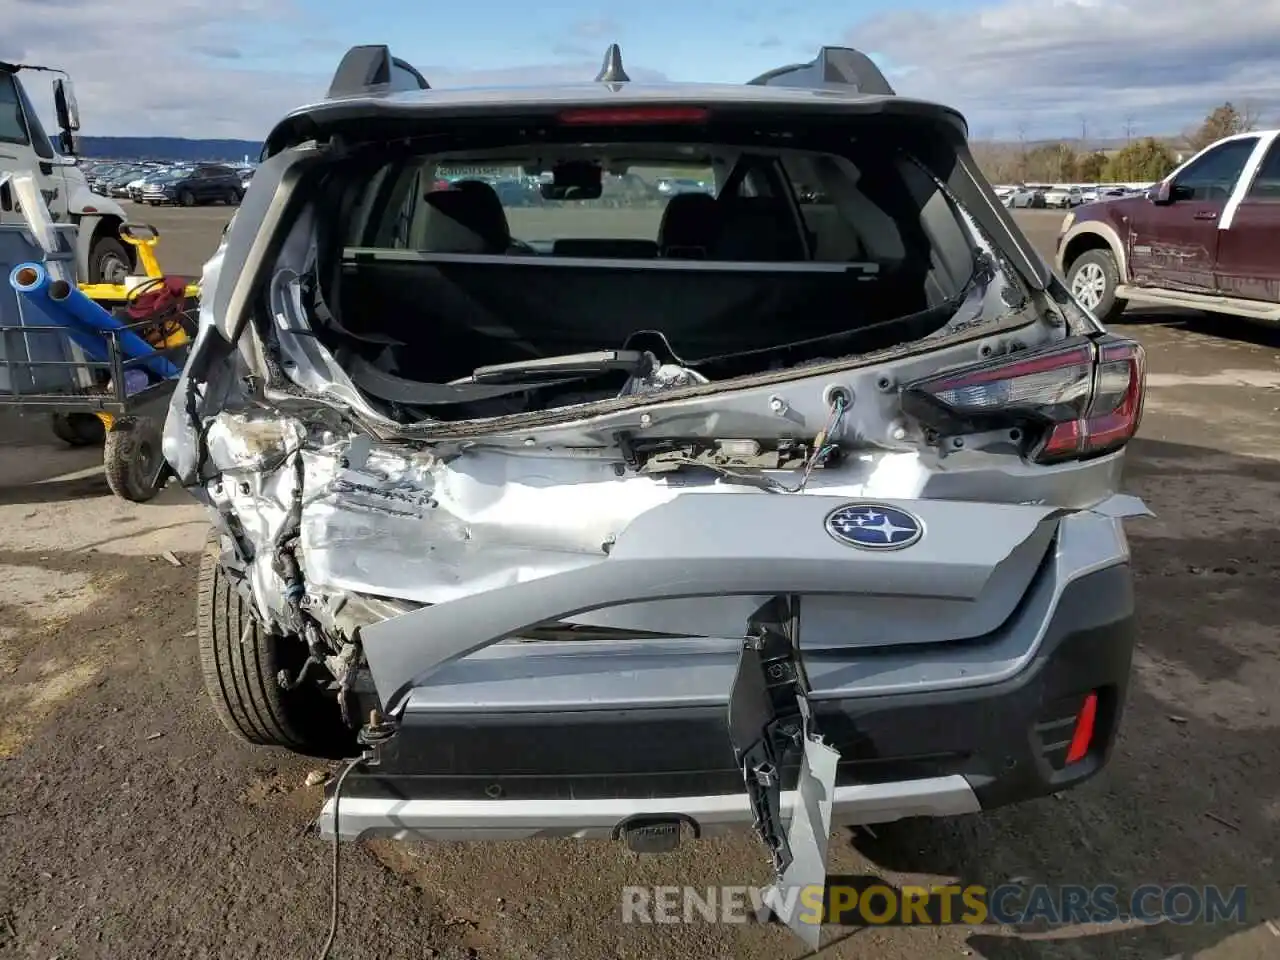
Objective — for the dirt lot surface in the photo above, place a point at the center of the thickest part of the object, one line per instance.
(131, 826)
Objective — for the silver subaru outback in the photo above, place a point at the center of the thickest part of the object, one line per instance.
(623, 513)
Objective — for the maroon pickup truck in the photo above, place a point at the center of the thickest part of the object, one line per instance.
(1206, 237)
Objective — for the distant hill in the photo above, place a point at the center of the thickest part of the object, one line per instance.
(167, 148)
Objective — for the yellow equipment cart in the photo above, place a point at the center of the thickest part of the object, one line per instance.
(161, 309)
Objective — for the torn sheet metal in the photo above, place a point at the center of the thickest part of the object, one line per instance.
(1122, 506)
(807, 837)
(770, 721)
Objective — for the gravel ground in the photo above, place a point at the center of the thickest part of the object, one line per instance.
(132, 826)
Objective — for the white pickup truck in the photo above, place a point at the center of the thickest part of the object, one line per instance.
(101, 256)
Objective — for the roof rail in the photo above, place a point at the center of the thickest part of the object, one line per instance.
(371, 70)
(833, 67)
(611, 70)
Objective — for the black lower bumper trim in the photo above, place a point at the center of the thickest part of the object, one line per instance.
(1007, 739)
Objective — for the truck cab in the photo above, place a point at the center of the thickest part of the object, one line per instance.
(101, 256)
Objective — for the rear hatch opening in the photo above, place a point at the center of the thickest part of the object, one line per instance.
(466, 288)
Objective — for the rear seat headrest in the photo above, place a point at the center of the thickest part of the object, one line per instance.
(689, 223)
(474, 206)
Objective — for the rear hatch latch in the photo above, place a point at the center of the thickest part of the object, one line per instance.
(770, 725)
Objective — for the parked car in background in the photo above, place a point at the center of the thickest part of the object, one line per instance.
(206, 183)
(670, 186)
(1024, 197)
(137, 188)
(116, 184)
(153, 192)
(1063, 197)
(1206, 237)
(101, 175)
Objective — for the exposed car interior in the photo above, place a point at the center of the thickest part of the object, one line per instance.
(754, 277)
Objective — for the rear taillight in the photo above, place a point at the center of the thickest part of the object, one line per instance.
(1076, 399)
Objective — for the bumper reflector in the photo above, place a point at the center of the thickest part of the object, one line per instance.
(1083, 735)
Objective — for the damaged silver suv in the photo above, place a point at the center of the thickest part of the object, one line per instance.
(591, 509)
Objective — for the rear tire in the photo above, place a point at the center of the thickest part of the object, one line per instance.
(130, 458)
(1093, 278)
(240, 678)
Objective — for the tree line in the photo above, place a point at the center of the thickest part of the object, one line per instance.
(1142, 160)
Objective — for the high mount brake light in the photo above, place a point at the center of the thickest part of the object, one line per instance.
(612, 116)
(1085, 397)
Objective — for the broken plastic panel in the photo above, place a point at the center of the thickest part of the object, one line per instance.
(770, 723)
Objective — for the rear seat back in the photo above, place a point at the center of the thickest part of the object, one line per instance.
(689, 226)
(758, 229)
(467, 218)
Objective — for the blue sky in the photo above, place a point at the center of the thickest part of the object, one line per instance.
(1037, 68)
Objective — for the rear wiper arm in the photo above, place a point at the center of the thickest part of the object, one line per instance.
(574, 365)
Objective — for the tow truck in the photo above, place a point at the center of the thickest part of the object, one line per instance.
(101, 255)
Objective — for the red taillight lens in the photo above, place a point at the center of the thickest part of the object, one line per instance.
(1082, 736)
(612, 116)
(1082, 398)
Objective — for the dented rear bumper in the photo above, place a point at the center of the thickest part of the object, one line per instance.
(476, 760)
(763, 730)
(716, 546)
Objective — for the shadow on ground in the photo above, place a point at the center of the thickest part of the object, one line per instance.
(30, 454)
(1217, 325)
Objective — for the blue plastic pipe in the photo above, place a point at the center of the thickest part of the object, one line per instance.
(80, 312)
(31, 281)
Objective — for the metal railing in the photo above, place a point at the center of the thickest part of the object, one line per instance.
(109, 391)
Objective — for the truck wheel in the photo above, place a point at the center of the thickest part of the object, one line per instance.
(78, 429)
(109, 262)
(1093, 278)
(130, 457)
(240, 663)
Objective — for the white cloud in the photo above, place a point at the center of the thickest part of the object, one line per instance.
(195, 67)
(156, 67)
(186, 67)
(1046, 63)
(599, 29)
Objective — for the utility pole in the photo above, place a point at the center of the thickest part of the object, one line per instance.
(1128, 130)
